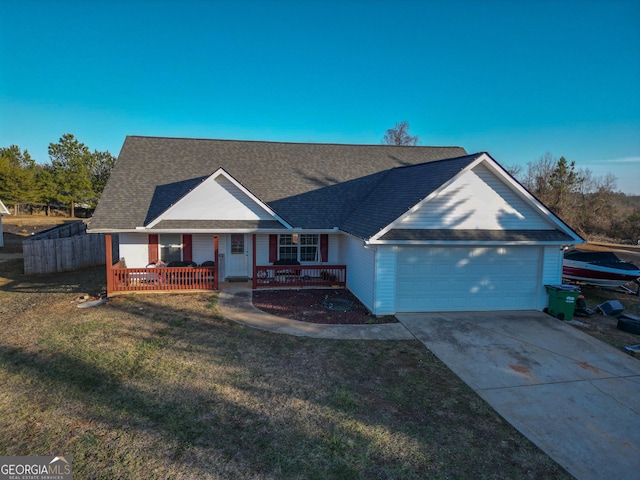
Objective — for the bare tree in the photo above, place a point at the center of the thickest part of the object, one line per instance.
(538, 176)
(597, 210)
(399, 135)
(514, 170)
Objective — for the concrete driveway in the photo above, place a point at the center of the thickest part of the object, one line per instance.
(575, 397)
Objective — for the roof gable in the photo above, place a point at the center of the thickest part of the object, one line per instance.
(218, 197)
(478, 203)
(168, 194)
(476, 200)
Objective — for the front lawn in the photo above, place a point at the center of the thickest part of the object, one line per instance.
(163, 387)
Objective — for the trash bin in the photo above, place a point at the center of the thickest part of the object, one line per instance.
(562, 300)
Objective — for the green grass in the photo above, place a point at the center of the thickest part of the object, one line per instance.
(163, 387)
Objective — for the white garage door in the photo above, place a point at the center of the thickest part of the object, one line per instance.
(431, 279)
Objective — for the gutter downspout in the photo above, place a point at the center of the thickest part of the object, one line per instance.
(368, 246)
(109, 260)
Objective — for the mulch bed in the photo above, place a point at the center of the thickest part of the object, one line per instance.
(305, 305)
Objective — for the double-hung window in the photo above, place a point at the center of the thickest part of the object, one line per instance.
(300, 247)
(170, 247)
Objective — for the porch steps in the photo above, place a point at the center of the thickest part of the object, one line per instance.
(237, 279)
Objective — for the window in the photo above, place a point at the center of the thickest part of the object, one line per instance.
(308, 248)
(300, 247)
(237, 243)
(288, 249)
(170, 247)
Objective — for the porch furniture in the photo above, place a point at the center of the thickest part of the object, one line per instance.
(299, 276)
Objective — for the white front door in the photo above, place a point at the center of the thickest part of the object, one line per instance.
(237, 255)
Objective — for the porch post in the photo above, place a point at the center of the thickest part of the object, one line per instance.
(254, 276)
(215, 258)
(109, 260)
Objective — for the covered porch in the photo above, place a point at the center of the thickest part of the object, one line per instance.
(206, 277)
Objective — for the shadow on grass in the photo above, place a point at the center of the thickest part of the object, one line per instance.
(238, 403)
(226, 415)
(90, 280)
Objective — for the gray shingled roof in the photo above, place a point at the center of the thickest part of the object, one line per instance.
(308, 185)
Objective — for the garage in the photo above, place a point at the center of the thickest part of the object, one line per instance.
(451, 278)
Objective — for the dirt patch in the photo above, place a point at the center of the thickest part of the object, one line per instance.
(602, 326)
(306, 305)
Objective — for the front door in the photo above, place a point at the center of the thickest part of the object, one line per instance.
(237, 256)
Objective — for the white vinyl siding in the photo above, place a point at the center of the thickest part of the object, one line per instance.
(477, 200)
(334, 250)
(216, 199)
(134, 248)
(262, 249)
(360, 264)
(385, 293)
(203, 247)
(467, 278)
(551, 271)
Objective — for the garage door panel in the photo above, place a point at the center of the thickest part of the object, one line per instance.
(462, 278)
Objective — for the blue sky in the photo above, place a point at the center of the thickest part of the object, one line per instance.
(514, 78)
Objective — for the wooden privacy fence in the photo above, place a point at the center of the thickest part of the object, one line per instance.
(70, 248)
(63, 231)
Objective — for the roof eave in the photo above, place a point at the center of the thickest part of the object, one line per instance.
(470, 242)
(214, 230)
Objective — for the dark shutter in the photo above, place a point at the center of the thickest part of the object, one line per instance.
(153, 248)
(187, 248)
(324, 247)
(273, 248)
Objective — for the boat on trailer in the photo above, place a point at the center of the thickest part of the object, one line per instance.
(602, 269)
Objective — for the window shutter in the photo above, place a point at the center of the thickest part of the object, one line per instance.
(153, 248)
(187, 248)
(324, 247)
(273, 248)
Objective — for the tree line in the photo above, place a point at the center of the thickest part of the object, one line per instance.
(588, 203)
(73, 176)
